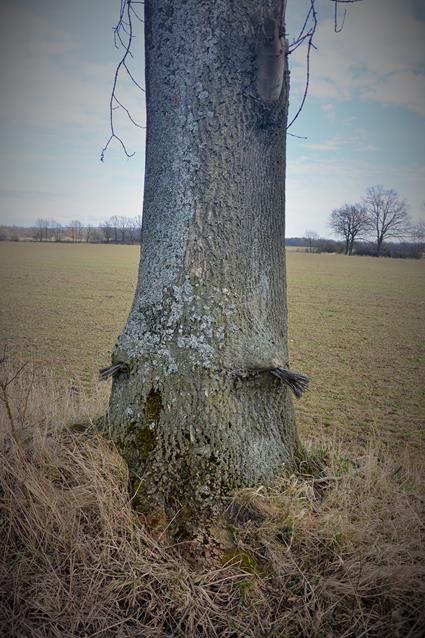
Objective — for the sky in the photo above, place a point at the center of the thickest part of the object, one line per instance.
(364, 118)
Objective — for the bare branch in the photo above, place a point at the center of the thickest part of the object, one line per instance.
(132, 77)
(300, 137)
(123, 36)
(132, 9)
(387, 214)
(312, 12)
(336, 28)
(130, 117)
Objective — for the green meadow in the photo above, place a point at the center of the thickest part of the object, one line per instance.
(356, 327)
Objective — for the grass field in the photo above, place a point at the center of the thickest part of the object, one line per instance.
(356, 328)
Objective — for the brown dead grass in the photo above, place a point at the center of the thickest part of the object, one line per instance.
(334, 551)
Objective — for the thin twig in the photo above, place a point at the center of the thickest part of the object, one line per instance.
(336, 28)
(130, 117)
(124, 25)
(309, 36)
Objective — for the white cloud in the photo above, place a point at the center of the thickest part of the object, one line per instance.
(403, 88)
(331, 145)
(378, 56)
(47, 84)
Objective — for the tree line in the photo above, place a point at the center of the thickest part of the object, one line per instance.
(368, 227)
(115, 230)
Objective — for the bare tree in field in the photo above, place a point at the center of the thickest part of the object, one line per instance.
(121, 226)
(42, 229)
(418, 232)
(138, 225)
(131, 230)
(350, 222)
(89, 233)
(58, 231)
(39, 229)
(201, 394)
(311, 238)
(386, 213)
(107, 230)
(76, 228)
(115, 222)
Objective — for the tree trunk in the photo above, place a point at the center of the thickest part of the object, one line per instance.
(194, 408)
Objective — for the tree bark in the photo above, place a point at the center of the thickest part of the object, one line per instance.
(193, 408)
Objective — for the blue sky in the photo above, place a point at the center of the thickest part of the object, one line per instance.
(364, 118)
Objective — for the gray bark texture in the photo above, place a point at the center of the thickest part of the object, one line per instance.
(193, 408)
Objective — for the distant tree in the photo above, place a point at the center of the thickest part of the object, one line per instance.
(76, 228)
(107, 230)
(89, 234)
(14, 233)
(4, 233)
(58, 231)
(138, 223)
(42, 226)
(310, 237)
(134, 225)
(350, 222)
(115, 222)
(123, 224)
(46, 228)
(54, 230)
(39, 225)
(418, 232)
(386, 214)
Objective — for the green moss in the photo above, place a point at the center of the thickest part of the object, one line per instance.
(142, 436)
(152, 408)
(144, 440)
(245, 560)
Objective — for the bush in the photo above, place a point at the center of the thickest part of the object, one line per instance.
(329, 246)
(401, 250)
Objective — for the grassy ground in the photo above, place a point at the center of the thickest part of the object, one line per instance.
(356, 328)
(64, 305)
(335, 551)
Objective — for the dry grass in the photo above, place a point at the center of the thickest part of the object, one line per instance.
(311, 556)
